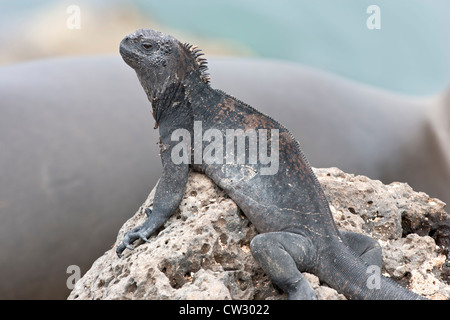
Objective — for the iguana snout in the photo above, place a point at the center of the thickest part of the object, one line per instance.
(158, 59)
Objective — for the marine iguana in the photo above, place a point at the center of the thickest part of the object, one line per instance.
(288, 207)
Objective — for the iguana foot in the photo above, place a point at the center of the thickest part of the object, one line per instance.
(141, 232)
(301, 290)
(281, 255)
(130, 237)
(367, 248)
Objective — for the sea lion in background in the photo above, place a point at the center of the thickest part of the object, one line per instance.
(73, 158)
(79, 150)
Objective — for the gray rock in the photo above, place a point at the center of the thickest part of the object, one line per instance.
(384, 211)
(402, 220)
(202, 251)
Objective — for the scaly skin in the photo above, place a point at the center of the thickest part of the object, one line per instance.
(287, 205)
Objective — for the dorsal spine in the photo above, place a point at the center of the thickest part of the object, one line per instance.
(202, 63)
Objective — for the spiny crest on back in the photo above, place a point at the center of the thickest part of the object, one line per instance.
(202, 63)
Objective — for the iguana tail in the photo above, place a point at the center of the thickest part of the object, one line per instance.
(342, 270)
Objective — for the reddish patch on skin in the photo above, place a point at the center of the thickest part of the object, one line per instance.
(226, 109)
(255, 121)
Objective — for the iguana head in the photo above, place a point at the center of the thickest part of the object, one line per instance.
(161, 60)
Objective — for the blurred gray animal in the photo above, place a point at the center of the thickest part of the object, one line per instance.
(77, 152)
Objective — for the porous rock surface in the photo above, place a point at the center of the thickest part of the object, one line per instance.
(202, 251)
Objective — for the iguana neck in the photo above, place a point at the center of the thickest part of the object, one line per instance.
(175, 95)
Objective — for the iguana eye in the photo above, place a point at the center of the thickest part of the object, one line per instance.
(147, 45)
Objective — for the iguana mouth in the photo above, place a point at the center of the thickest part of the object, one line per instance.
(126, 52)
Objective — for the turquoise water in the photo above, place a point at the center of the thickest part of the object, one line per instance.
(409, 54)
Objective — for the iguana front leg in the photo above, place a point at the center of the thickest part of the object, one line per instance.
(168, 195)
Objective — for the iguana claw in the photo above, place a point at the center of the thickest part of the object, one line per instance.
(143, 237)
(120, 249)
(129, 238)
